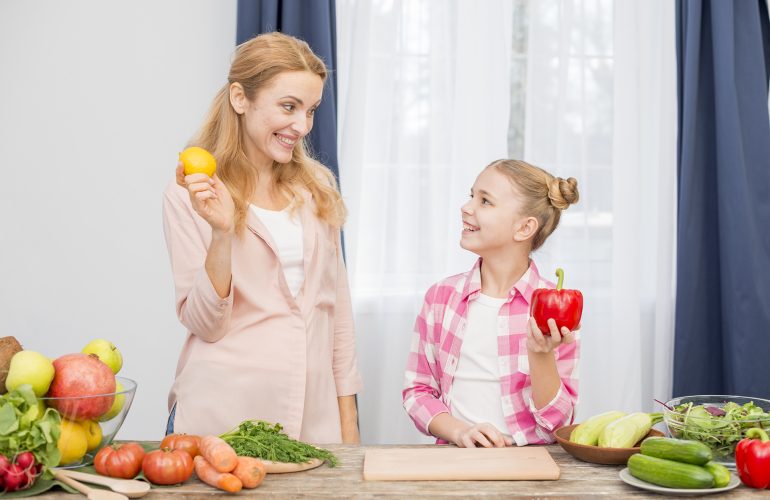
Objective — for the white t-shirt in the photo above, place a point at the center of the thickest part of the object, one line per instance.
(287, 235)
(476, 396)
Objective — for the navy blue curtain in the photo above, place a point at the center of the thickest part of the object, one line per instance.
(315, 22)
(722, 341)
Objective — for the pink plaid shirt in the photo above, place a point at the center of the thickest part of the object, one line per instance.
(435, 350)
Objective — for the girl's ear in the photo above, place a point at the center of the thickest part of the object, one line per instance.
(238, 98)
(525, 229)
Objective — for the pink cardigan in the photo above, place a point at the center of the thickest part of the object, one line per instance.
(260, 353)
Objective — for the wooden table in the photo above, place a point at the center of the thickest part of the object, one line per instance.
(578, 479)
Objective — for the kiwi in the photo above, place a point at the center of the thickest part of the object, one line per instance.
(8, 347)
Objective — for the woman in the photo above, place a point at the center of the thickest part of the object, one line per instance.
(256, 258)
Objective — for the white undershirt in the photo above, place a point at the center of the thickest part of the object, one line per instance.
(287, 235)
(476, 394)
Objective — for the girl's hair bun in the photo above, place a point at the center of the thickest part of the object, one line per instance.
(563, 192)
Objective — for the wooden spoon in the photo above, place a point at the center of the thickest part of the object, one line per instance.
(91, 493)
(132, 488)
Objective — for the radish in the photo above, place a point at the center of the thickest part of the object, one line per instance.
(15, 478)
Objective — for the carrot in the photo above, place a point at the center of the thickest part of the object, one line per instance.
(218, 453)
(222, 480)
(250, 471)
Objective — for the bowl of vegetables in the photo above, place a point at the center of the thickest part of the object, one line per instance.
(717, 420)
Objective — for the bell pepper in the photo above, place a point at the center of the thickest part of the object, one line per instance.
(752, 459)
(564, 306)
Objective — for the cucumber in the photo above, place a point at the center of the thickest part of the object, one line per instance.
(680, 450)
(669, 473)
(720, 472)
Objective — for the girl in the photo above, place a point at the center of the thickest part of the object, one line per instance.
(255, 254)
(480, 371)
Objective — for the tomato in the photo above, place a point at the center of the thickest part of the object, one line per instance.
(166, 466)
(185, 442)
(119, 460)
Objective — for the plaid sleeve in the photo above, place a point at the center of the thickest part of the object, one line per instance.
(421, 394)
(560, 410)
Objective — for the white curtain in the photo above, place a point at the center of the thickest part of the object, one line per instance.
(601, 106)
(423, 108)
(424, 104)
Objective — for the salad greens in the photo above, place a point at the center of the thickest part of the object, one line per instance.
(27, 425)
(260, 439)
(719, 427)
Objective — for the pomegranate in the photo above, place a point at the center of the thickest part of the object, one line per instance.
(88, 384)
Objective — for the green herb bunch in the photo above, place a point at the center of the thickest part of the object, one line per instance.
(260, 439)
(26, 425)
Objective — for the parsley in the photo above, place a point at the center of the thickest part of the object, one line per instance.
(260, 439)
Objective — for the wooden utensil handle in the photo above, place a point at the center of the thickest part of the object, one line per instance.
(71, 482)
(90, 478)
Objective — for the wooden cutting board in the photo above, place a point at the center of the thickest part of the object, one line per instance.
(449, 463)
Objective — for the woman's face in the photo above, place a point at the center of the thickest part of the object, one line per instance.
(280, 115)
(492, 219)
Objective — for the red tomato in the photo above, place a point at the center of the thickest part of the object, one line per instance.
(167, 467)
(119, 460)
(185, 442)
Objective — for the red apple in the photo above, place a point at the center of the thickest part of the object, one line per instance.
(85, 377)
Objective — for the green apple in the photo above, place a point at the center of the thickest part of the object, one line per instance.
(107, 352)
(117, 405)
(30, 367)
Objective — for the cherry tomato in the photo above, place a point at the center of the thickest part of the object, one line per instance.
(167, 467)
(185, 442)
(119, 460)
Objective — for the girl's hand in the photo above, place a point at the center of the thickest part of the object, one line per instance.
(485, 435)
(539, 343)
(210, 199)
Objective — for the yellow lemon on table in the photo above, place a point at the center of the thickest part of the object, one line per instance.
(93, 434)
(73, 442)
(198, 161)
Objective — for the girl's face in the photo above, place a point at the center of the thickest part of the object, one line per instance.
(492, 219)
(279, 117)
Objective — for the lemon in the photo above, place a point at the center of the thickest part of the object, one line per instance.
(198, 161)
(73, 442)
(93, 434)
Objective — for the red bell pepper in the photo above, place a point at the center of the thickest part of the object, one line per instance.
(564, 306)
(752, 459)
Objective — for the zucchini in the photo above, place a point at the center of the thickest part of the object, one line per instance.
(669, 473)
(588, 432)
(720, 472)
(679, 450)
(627, 431)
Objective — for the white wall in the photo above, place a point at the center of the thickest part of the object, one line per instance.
(96, 99)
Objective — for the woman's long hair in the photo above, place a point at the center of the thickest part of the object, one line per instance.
(255, 64)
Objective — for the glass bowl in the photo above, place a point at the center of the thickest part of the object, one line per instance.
(720, 421)
(99, 416)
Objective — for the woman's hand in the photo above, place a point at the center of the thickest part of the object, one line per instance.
(210, 199)
(539, 343)
(485, 435)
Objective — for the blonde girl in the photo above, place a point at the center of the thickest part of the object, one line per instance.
(480, 372)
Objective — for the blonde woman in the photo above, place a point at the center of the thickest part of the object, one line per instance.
(255, 253)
